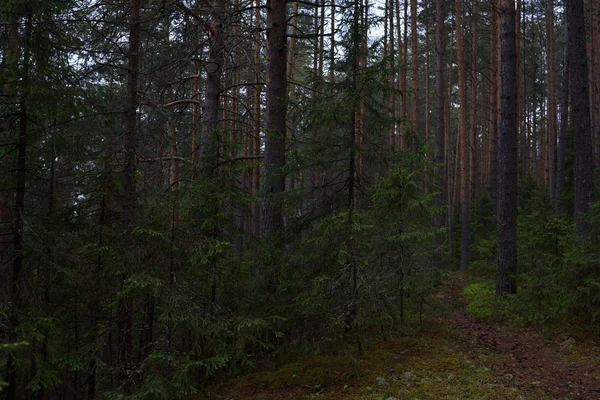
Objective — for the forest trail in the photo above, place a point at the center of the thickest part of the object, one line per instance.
(560, 367)
(453, 356)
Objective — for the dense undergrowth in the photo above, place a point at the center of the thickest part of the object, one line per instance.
(558, 290)
(336, 300)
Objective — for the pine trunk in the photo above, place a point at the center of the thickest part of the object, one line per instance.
(439, 172)
(125, 347)
(274, 161)
(507, 156)
(462, 137)
(582, 135)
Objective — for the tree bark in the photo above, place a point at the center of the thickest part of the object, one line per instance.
(427, 108)
(274, 160)
(209, 146)
(507, 156)
(473, 111)
(493, 122)
(582, 135)
(18, 234)
(439, 172)
(257, 120)
(551, 112)
(562, 133)
(129, 189)
(462, 138)
(415, 66)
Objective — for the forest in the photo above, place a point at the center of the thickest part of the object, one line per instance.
(297, 199)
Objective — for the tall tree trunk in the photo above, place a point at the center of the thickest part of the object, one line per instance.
(494, 91)
(195, 115)
(257, 119)
(357, 62)
(290, 74)
(274, 160)
(462, 138)
(595, 90)
(129, 189)
(562, 133)
(18, 235)
(582, 135)
(403, 71)
(473, 111)
(415, 66)
(427, 105)
(392, 74)
(439, 172)
(10, 62)
(507, 156)
(209, 146)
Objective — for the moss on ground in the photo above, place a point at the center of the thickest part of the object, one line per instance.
(429, 365)
(442, 358)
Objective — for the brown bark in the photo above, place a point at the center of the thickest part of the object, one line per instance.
(439, 132)
(290, 73)
(415, 65)
(403, 71)
(209, 146)
(392, 74)
(463, 138)
(595, 81)
(485, 143)
(562, 135)
(274, 160)
(257, 120)
(518, 44)
(400, 140)
(494, 92)
(359, 139)
(195, 116)
(507, 156)
(582, 135)
(427, 105)
(17, 288)
(473, 110)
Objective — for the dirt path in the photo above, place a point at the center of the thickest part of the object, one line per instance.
(561, 367)
(452, 356)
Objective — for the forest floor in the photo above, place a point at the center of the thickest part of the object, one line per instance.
(452, 356)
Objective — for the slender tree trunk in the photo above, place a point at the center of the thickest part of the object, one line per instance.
(209, 146)
(392, 74)
(129, 189)
(415, 65)
(507, 156)
(257, 120)
(357, 61)
(403, 71)
(274, 160)
(564, 121)
(359, 137)
(427, 105)
(195, 116)
(519, 80)
(439, 132)
(290, 75)
(18, 282)
(494, 92)
(10, 62)
(596, 78)
(582, 135)
(462, 137)
(473, 110)
(400, 57)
